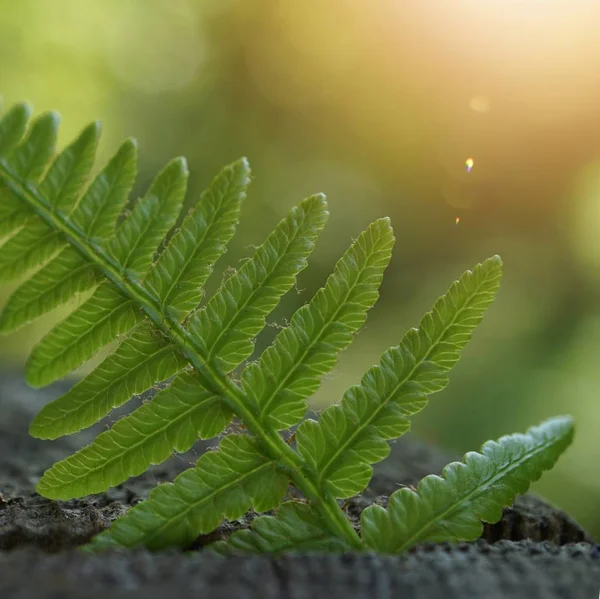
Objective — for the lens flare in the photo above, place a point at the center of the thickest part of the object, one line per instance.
(457, 220)
(469, 162)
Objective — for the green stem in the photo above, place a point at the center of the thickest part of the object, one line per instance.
(213, 380)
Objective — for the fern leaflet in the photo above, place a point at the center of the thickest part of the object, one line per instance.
(451, 507)
(224, 483)
(296, 527)
(291, 369)
(351, 436)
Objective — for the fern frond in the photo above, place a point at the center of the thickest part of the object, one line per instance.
(291, 369)
(141, 360)
(296, 526)
(97, 322)
(351, 436)
(236, 313)
(223, 484)
(451, 507)
(174, 420)
(146, 283)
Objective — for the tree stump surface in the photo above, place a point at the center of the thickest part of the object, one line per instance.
(535, 551)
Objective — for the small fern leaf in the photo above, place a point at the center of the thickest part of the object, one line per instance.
(28, 161)
(12, 127)
(55, 283)
(65, 179)
(97, 212)
(188, 260)
(141, 360)
(232, 318)
(291, 369)
(61, 187)
(97, 322)
(351, 436)
(28, 248)
(297, 526)
(451, 507)
(13, 214)
(223, 484)
(170, 421)
(152, 217)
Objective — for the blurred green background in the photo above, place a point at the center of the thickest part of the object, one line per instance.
(378, 104)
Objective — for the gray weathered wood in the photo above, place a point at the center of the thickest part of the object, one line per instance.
(37, 539)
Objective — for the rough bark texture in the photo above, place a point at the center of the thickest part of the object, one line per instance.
(534, 551)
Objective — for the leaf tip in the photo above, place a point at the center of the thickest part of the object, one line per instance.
(50, 119)
(316, 201)
(129, 145)
(24, 108)
(5, 324)
(494, 260)
(564, 423)
(384, 223)
(42, 488)
(40, 429)
(241, 168)
(243, 163)
(33, 376)
(92, 131)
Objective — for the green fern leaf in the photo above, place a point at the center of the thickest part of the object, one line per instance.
(62, 184)
(187, 262)
(100, 320)
(97, 213)
(30, 159)
(237, 312)
(297, 526)
(141, 360)
(55, 283)
(27, 161)
(12, 127)
(223, 484)
(351, 436)
(13, 214)
(61, 187)
(451, 507)
(140, 235)
(173, 420)
(28, 248)
(291, 369)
